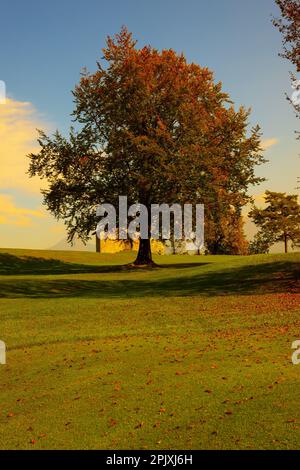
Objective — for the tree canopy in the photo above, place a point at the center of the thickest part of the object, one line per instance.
(289, 25)
(151, 127)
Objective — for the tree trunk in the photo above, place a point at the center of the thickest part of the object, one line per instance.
(285, 243)
(98, 250)
(144, 256)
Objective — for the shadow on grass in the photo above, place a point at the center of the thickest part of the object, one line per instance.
(18, 265)
(239, 280)
(14, 265)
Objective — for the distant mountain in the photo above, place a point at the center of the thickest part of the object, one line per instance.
(63, 245)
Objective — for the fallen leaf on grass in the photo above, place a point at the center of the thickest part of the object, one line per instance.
(138, 425)
(112, 422)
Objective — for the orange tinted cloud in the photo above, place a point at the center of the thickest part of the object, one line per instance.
(12, 215)
(18, 135)
(268, 143)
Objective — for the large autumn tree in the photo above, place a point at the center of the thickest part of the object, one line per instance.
(278, 221)
(151, 127)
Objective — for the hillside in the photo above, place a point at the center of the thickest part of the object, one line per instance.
(194, 354)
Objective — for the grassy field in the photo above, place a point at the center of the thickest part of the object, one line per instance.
(194, 354)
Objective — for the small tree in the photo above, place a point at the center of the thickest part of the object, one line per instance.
(279, 221)
(261, 243)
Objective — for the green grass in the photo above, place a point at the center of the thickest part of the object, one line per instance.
(194, 354)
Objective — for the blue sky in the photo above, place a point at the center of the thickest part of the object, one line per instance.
(44, 45)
